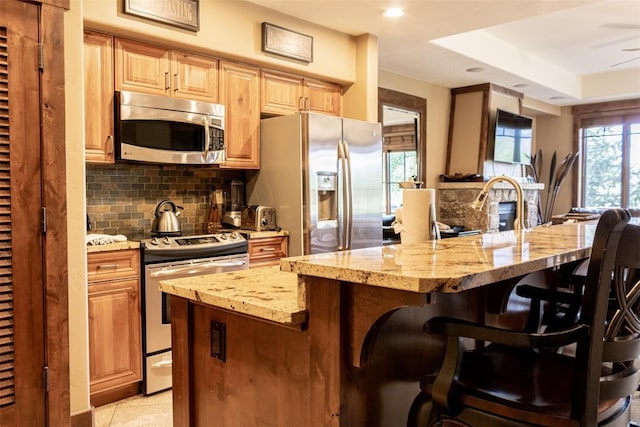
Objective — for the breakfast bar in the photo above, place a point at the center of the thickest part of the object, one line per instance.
(336, 339)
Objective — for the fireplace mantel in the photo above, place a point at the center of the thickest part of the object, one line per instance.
(455, 198)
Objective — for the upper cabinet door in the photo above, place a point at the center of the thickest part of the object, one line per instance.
(98, 98)
(239, 93)
(323, 97)
(141, 67)
(283, 94)
(280, 93)
(194, 77)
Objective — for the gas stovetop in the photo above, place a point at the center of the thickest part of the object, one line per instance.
(201, 246)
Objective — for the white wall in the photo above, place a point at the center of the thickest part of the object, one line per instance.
(438, 101)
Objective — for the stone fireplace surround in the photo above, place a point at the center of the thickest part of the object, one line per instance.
(455, 198)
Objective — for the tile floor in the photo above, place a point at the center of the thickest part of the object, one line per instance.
(137, 411)
(156, 411)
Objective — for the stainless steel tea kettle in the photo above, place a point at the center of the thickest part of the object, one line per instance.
(166, 222)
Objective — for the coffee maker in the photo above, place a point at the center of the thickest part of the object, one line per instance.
(234, 200)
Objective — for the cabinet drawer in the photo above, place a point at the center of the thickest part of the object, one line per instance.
(267, 251)
(113, 265)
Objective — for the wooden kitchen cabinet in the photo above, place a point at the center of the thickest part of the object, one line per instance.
(115, 346)
(283, 94)
(266, 251)
(157, 70)
(98, 97)
(323, 97)
(240, 94)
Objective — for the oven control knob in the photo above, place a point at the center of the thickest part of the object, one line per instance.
(166, 240)
(154, 241)
(234, 235)
(223, 236)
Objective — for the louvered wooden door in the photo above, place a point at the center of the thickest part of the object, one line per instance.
(22, 356)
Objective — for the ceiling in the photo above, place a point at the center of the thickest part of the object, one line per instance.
(561, 52)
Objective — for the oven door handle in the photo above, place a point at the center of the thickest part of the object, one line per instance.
(195, 268)
(163, 364)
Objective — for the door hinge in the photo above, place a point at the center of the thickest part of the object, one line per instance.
(45, 378)
(40, 56)
(44, 219)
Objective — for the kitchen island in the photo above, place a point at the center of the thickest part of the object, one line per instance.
(336, 339)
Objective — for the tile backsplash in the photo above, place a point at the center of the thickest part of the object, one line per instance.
(122, 198)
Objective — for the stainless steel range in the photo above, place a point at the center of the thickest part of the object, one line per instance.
(173, 258)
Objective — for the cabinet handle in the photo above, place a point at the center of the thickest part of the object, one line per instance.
(301, 104)
(175, 82)
(268, 249)
(110, 144)
(167, 83)
(109, 266)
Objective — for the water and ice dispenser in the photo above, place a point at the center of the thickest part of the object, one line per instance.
(327, 195)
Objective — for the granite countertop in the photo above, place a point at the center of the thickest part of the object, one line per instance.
(266, 293)
(448, 265)
(135, 244)
(251, 234)
(116, 246)
(452, 265)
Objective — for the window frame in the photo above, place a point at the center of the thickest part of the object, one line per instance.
(404, 101)
(606, 113)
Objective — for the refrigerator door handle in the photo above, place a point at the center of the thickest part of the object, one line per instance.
(349, 197)
(342, 209)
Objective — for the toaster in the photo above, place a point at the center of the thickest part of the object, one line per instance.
(258, 218)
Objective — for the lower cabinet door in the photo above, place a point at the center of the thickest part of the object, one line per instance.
(115, 350)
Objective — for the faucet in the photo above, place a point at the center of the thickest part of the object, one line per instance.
(518, 223)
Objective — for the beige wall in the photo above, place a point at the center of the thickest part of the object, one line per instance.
(555, 133)
(77, 258)
(232, 29)
(360, 101)
(438, 101)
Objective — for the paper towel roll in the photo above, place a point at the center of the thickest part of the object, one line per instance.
(416, 219)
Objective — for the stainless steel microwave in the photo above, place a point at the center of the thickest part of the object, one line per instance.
(159, 129)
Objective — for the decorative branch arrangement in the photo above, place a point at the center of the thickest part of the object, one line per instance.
(555, 180)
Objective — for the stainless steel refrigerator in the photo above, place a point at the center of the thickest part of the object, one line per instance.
(323, 176)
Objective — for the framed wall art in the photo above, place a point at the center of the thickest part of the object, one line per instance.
(287, 43)
(179, 13)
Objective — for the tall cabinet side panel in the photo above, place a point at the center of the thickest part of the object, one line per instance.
(279, 182)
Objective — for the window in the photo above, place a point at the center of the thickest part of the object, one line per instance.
(400, 160)
(398, 166)
(403, 119)
(609, 144)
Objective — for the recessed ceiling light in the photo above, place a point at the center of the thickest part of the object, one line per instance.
(475, 69)
(393, 12)
(556, 98)
(519, 85)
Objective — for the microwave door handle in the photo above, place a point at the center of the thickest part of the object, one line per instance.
(205, 153)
